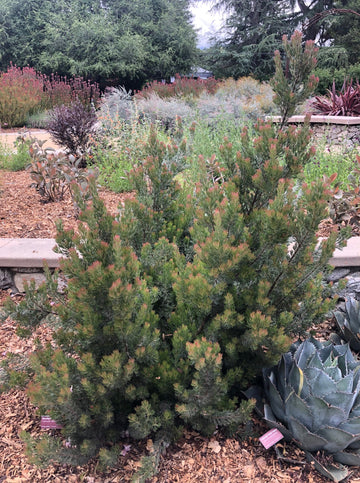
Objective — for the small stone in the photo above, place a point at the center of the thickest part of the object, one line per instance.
(6, 280)
(337, 274)
(20, 278)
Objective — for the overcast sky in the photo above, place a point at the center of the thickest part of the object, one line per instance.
(207, 23)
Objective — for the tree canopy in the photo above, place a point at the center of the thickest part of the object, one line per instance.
(113, 41)
(254, 30)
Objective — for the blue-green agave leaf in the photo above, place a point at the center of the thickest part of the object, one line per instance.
(340, 319)
(345, 384)
(275, 400)
(305, 438)
(355, 412)
(352, 308)
(348, 458)
(351, 425)
(331, 362)
(354, 366)
(335, 373)
(315, 361)
(336, 339)
(329, 471)
(316, 343)
(342, 400)
(298, 382)
(326, 353)
(297, 408)
(354, 446)
(323, 415)
(304, 352)
(282, 372)
(349, 361)
(336, 439)
(320, 382)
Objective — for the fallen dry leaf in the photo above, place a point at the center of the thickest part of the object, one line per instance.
(214, 446)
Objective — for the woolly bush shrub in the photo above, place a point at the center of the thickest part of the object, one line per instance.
(246, 99)
(116, 104)
(165, 111)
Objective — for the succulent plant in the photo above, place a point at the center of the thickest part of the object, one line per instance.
(348, 322)
(313, 396)
(343, 103)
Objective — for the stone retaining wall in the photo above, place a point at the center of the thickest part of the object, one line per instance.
(14, 278)
(342, 131)
(347, 137)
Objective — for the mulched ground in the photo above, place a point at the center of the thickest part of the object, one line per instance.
(192, 459)
(24, 215)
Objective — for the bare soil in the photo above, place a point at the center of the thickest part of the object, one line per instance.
(192, 459)
(9, 136)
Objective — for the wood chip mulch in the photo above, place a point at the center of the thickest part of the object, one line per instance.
(23, 215)
(192, 459)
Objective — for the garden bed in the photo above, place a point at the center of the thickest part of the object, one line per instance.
(193, 458)
(23, 215)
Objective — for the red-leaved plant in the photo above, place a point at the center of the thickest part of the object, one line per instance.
(343, 103)
(24, 91)
(21, 91)
(63, 91)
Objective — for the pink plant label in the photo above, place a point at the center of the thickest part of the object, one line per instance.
(48, 423)
(270, 438)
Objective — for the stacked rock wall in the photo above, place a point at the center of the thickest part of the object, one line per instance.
(342, 131)
(347, 137)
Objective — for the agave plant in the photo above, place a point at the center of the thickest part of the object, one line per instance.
(313, 396)
(348, 322)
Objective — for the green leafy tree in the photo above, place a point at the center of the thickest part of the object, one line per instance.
(344, 28)
(253, 30)
(118, 42)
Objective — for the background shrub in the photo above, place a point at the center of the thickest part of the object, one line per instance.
(329, 75)
(154, 108)
(38, 120)
(21, 91)
(25, 92)
(328, 161)
(63, 91)
(181, 87)
(116, 105)
(245, 99)
(73, 127)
